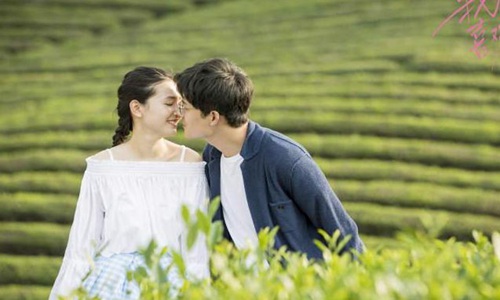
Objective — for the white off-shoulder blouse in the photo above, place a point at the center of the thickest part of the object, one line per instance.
(123, 205)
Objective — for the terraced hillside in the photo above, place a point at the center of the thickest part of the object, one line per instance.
(405, 126)
(31, 24)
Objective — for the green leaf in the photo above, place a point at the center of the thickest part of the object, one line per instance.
(186, 216)
(203, 222)
(213, 206)
(191, 236)
(215, 234)
(340, 246)
(178, 261)
(148, 253)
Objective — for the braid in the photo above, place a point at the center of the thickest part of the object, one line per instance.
(123, 130)
(137, 84)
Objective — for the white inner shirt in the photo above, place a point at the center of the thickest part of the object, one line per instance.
(234, 203)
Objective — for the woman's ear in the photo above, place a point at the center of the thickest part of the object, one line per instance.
(135, 108)
(214, 118)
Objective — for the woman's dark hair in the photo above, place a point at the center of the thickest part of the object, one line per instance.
(137, 84)
(220, 85)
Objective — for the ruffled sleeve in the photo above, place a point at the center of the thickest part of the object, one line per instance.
(85, 235)
(196, 258)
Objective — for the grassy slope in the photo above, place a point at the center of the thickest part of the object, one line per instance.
(404, 125)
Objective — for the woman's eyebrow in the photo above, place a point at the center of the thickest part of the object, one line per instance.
(174, 98)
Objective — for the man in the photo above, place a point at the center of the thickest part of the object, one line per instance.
(264, 178)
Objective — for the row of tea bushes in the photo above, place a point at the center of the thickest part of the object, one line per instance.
(436, 153)
(460, 131)
(420, 195)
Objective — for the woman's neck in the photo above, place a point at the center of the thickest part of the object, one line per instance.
(144, 148)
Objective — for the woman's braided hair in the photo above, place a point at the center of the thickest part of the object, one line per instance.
(137, 84)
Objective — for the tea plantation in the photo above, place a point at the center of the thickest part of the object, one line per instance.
(405, 125)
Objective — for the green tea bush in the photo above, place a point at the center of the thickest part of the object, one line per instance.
(42, 182)
(48, 156)
(44, 160)
(371, 169)
(393, 92)
(409, 107)
(420, 195)
(387, 125)
(88, 142)
(93, 17)
(421, 267)
(36, 207)
(384, 220)
(24, 292)
(33, 238)
(28, 270)
(61, 122)
(486, 81)
(444, 154)
(82, 140)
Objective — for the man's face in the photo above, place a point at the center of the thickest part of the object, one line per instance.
(195, 125)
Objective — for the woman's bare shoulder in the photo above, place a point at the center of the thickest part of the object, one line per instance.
(192, 156)
(102, 155)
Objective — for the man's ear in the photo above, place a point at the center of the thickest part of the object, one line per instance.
(135, 108)
(214, 118)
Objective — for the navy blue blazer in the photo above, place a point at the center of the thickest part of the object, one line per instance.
(285, 188)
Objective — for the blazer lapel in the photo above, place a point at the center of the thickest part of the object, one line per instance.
(255, 197)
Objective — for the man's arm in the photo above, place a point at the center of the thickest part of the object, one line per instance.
(312, 193)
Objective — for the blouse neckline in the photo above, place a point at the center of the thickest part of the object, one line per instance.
(171, 167)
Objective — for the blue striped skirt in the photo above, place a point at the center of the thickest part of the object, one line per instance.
(108, 280)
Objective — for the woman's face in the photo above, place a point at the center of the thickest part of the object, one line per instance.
(160, 114)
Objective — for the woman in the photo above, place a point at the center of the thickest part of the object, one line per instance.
(132, 193)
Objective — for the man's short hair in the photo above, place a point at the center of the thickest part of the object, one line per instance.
(220, 85)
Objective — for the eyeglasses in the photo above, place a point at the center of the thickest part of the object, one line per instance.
(181, 108)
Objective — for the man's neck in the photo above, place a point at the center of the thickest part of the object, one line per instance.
(229, 140)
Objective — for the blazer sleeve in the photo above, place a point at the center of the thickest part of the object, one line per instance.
(313, 194)
(206, 158)
(84, 237)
